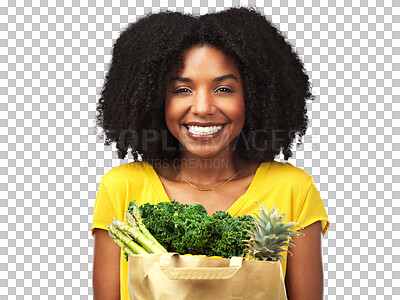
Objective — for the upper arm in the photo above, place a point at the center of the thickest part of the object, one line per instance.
(304, 273)
(106, 270)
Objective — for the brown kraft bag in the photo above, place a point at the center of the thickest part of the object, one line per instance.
(179, 277)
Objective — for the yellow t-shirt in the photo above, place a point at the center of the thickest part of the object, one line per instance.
(291, 189)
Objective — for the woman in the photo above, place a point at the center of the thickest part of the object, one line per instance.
(209, 102)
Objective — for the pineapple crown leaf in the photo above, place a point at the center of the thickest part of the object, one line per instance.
(288, 251)
(280, 256)
(269, 236)
(264, 215)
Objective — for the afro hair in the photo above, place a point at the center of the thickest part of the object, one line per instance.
(276, 86)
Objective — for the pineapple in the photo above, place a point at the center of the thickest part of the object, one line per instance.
(270, 235)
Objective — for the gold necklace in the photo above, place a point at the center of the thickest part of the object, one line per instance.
(206, 189)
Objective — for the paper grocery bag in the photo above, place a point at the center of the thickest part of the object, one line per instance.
(179, 277)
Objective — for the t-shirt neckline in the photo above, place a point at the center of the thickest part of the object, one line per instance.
(234, 209)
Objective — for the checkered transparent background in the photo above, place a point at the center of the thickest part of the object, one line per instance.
(54, 55)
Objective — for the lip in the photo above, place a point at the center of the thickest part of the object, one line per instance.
(205, 137)
(204, 124)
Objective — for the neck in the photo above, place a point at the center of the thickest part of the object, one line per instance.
(208, 171)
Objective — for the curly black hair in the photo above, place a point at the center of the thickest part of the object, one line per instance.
(276, 85)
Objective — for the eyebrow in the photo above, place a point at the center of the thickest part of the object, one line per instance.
(217, 79)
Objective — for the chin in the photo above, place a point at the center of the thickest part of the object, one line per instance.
(204, 153)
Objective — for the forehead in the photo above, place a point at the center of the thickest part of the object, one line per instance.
(204, 60)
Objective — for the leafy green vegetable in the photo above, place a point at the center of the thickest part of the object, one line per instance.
(188, 229)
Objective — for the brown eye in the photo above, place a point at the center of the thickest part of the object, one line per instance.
(225, 90)
(181, 91)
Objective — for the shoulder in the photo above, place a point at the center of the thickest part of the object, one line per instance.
(129, 172)
(281, 184)
(288, 172)
(287, 177)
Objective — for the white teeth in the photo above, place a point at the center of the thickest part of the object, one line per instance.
(204, 130)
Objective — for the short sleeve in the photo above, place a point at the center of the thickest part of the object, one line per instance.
(312, 209)
(103, 211)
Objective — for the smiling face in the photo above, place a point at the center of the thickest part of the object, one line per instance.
(204, 106)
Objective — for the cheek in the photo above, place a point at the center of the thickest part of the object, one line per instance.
(238, 113)
(171, 115)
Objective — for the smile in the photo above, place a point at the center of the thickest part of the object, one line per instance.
(200, 130)
(203, 133)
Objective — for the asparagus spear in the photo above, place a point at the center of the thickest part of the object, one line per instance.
(124, 247)
(126, 240)
(137, 218)
(138, 236)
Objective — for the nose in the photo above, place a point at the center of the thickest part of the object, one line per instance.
(203, 104)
